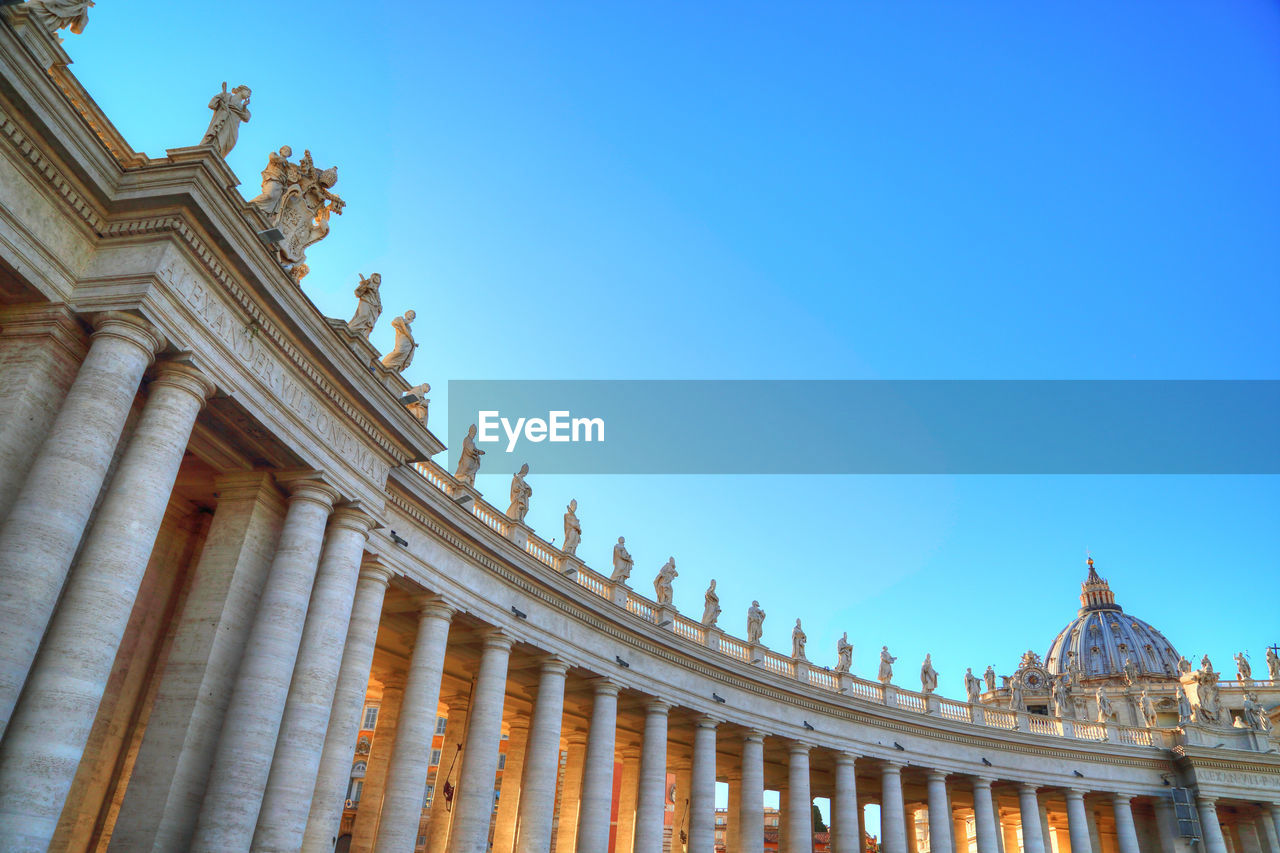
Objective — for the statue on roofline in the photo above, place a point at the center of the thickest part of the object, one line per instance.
(229, 110)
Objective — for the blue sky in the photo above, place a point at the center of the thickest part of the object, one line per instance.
(752, 191)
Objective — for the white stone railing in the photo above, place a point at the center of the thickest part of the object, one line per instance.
(820, 678)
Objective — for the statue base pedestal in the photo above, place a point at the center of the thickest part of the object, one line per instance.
(463, 495)
(618, 594)
(664, 616)
(518, 532)
(358, 344)
(846, 682)
(570, 564)
(801, 668)
(757, 653)
(713, 637)
(891, 696)
(977, 714)
(932, 704)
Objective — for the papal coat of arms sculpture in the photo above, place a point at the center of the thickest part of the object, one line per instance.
(297, 200)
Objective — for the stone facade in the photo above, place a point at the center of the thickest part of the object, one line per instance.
(222, 539)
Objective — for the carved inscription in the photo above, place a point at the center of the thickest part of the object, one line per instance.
(1232, 777)
(256, 355)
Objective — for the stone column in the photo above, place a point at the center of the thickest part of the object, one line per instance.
(1045, 834)
(369, 812)
(473, 805)
(683, 769)
(542, 762)
(58, 706)
(909, 826)
(733, 815)
(45, 524)
(1078, 822)
(1095, 837)
(571, 791)
(1267, 836)
(651, 796)
(348, 702)
(627, 791)
(844, 806)
(1273, 811)
(1210, 828)
(892, 820)
(702, 788)
(504, 835)
(595, 811)
(1029, 808)
(1009, 835)
(411, 757)
(939, 814)
(169, 775)
(438, 821)
(985, 826)
(800, 823)
(1166, 826)
(294, 768)
(751, 809)
(242, 762)
(784, 815)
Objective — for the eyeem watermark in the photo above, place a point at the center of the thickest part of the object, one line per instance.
(557, 427)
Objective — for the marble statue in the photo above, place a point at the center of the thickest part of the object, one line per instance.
(755, 622)
(928, 675)
(990, 678)
(844, 653)
(401, 355)
(520, 494)
(1184, 706)
(1130, 671)
(711, 606)
(229, 110)
(798, 639)
(1257, 714)
(469, 460)
(61, 14)
(1243, 671)
(662, 584)
(1273, 664)
(1105, 709)
(572, 528)
(1184, 665)
(1205, 709)
(369, 308)
(1148, 709)
(886, 665)
(972, 686)
(1015, 693)
(296, 199)
(1205, 664)
(1062, 704)
(1074, 670)
(621, 562)
(418, 408)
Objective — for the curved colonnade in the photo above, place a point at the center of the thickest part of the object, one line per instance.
(219, 529)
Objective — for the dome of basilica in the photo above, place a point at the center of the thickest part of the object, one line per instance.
(1102, 638)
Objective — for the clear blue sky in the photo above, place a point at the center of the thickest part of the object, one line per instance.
(745, 191)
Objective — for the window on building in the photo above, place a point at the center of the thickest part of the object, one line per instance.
(441, 722)
(502, 761)
(435, 756)
(354, 790)
(422, 839)
(370, 717)
(357, 770)
(426, 795)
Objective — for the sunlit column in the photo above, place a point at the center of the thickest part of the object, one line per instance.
(542, 763)
(411, 757)
(751, 804)
(596, 803)
(46, 521)
(800, 819)
(892, 820)
(571, 791)
(504, 833)
(1273, 811)
(702, 787)
(455, 733)
(1029, 810)
(627, 791)
(48, 733)
(844, 806)
(985, 826)
(473, 805)
(939, 813)
(1210, 827)
(1078, 822)
(651, 797)
(242, 762)
(369, 811)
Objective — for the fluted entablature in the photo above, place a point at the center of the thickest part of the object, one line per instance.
(1103, 637)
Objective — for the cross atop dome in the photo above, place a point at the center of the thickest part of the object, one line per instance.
(1095, 593)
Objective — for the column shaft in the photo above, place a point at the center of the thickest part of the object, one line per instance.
(800, 823)
(440, 819)
(473, 805)
(411, 756)
(939, 814)
(985, 826)
(504, 834)
(892, 819)
(733, 815)
(1210, 827)
(286, 802)
(844, 806)
(651, 797)
(1029, 810)
(702, 788)
(369, 810)
(627, 790)
(344, 717)
(1273, 812)
(242, 762)
(596, 809)
(1262, 826)
(50, 728)
(1078, 823)
(542, 762)
(571, 792)
(46, 522)
(751, 808)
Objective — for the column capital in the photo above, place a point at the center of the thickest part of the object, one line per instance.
(630, 752)
(171, 373)
(843, 758)
(551, 664)
(753, 736)
(888, 766)
(575, 738)
(307, 485)
(705, 721)
(1028, 787)
(657, 706)
(128, 327)
(937, 776)
(1119, 797)
(353, 516)
(518, 724)
(796, 747)
(1206, 800)
(394, 681)
(373, 569)
(983, 782)
(1076, 793)
(602, 686)
(494, 638)
(434, 607)
(457, 702)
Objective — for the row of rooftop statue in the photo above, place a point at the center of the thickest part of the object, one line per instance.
(297, 199)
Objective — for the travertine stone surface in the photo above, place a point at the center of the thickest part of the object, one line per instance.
(348, 703)
(504, 826)
(50, 728)
(286, 803)
(441, 818)
(845, 826)
(365, 830)
(939, 814)
(892, 814)
(628, 787)
(48, 517)
(407, 776)
(596, 800)
(473, 805)
(986, 826)
(800, 801)
(542, 761)
(651, 796)
(702, 787)
(1029, 811)
(571, 791)
(163, 797)
(242, 762)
